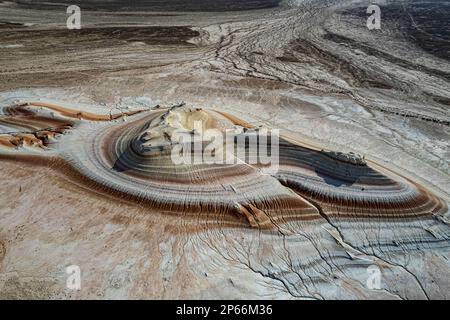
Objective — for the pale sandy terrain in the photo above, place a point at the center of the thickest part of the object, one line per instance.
(309, 68)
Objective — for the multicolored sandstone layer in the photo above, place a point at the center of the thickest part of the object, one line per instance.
(88, 120)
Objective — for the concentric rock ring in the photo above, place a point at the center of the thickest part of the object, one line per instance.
(113, 157)
(132, 159)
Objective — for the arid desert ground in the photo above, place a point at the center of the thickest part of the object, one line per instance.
(358, 205)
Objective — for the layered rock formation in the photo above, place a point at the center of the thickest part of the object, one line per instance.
(94, 173)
